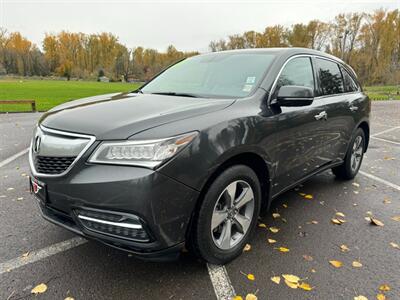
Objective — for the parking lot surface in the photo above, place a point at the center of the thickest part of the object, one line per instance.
(31, 253)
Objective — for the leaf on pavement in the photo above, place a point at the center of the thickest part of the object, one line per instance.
(380, 297)
(375, 221)
(338, 221)
(276, 215)
(340, 214)
(387, 201)
(336, 263)
(291, 278)
(285, 205)
(356, 264)
(283, 249)
(361, 297)
(247, 247)
(274, 229)
(271, 241)
(251, 297)
(292, 285)
(251, 277)
(396, 218)
(25, 255)
(394, 245)
(305, 286)
(237, 297)
(384, 288)
(262, 225)
(356, 184)
(308, 196)
(39, 289)
(69, 298)
(344, 248)
(276, 279)
(308, 257)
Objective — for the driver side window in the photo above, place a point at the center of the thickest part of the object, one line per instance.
(297, 71)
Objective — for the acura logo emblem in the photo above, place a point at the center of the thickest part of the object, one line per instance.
(36, 143)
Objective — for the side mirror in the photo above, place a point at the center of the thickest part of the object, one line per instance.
(293, 95)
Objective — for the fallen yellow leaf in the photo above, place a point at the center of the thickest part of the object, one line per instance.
(69, 298)
(274, 229)
(292, 285)
(291, 278)
(283, 249)
(384, 288)
(387, 201)
(276, 215)
(394, 245)
(237, 297)
(308, 196)
(247, 247)
(302, 194)
(251, 297)
(25, 255)
(313, 271)
(262, 225)
(360, 298)
(344, 248)
(271, 241)
(380, 297)
(39, 289)
(276, 279)
(285, 205)
(251, 277)
(305, 286)
(356, 264)
(355, 184)
(376, 222)
(396, 218)
(337, 221)
(314, 222)
(340, 214)
(308, 257)
(336, 263)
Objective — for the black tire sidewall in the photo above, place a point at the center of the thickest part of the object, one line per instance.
(205, 245)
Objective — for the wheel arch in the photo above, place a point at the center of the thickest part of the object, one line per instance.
(365, 127)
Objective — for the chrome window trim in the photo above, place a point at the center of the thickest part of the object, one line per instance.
(91, 139)
(310, 56)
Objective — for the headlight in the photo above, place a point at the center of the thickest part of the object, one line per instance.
(147, 153)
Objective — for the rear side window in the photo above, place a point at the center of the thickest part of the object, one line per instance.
(297, 71)
(349, 83)
(330, 77)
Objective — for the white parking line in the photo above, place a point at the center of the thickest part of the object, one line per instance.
(13, 157)
(376, 178)
(385, 131)
(220, 280)
(37, 255)
(384, 140)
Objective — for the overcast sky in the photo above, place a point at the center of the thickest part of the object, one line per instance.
(189, 25)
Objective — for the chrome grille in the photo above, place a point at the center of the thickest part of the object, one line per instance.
(53, 165)
(54, 152)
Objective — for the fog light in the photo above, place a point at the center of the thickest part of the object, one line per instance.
(120, 225)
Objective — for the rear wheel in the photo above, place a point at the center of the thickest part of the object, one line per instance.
(227, 216)
(354, 156)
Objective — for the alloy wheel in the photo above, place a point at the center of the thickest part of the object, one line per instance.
(356, 153)
(232, 215)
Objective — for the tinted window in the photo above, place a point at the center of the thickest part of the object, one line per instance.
(213, 75)
(297, 71)
(330, 78)
(349, 84)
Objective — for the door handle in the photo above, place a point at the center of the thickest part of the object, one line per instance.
(321, 115)
(353, 108)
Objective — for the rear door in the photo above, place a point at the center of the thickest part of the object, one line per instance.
(299, 136)
(333, 97)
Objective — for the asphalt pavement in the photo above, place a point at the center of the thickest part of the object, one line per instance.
(34, 251)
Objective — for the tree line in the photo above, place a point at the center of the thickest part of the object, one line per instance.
(369, 42)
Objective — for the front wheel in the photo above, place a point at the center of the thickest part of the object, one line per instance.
(227, 216)
(354, 156)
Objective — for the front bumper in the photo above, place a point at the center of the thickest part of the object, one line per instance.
(163, 205)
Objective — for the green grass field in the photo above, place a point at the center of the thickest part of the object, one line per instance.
(49, 93)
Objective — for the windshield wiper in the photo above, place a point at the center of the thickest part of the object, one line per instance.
(177, 94)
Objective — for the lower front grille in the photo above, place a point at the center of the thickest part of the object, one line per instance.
(53, 165)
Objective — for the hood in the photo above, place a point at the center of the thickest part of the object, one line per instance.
(118, 116)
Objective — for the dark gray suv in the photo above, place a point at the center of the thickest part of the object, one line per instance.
(194, 155)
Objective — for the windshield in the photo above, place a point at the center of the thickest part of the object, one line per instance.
(225, 75)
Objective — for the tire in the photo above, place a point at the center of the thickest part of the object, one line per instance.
(347, 170)
(214, 246)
